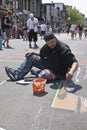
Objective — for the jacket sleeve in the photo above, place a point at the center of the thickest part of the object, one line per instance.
(68, 58)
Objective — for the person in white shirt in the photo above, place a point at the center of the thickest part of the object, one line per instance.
(43, 28)
(50, 29)
(32, 23)
(72, 29)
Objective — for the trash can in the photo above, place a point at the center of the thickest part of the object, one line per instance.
(1, 39)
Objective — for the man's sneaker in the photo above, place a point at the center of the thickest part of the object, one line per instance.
(8, 46)
(11, 73)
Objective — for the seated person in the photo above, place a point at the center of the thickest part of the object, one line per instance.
(55, 60)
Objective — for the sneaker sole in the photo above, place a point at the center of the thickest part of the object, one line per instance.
(9, 75)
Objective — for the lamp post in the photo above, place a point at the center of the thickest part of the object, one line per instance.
(52, 13)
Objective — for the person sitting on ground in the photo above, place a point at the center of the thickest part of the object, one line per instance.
(55, 60)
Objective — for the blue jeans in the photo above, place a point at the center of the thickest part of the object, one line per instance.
(34, 61)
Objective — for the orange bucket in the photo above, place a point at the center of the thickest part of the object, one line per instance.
(39, 85)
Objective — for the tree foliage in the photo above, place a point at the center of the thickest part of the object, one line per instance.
(75, 16)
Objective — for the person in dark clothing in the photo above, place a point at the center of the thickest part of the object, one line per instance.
(80, 29)
(7, 28)
(55, 61)
(2, 24)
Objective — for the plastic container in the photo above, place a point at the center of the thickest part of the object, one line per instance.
(39, 85)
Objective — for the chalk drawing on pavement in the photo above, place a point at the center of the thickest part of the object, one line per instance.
(77, 74)
(85, 74)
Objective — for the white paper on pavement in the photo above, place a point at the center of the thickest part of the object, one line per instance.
(23, 82)
(2, 128)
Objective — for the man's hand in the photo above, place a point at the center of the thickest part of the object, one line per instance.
(28, 54)
(69, 76)
(70, 73)
(31, 53)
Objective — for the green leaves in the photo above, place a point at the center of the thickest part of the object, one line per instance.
(75, 16)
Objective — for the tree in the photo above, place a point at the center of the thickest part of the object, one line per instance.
(75, 16)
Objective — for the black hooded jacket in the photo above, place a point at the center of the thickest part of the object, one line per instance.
(59, 59)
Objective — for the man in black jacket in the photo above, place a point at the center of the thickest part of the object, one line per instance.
(55, 60)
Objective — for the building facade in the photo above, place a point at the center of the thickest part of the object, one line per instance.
(55, 14)
(27, 6)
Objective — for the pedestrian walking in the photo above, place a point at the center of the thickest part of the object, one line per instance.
(80, 29)
(25, 36)
(2, 25)
(85, 32)
(32, 23)
(72, 30)
(7, 28)
(43, 29)
(55, 61)
(76, 31)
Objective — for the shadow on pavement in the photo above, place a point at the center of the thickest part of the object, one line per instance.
(72, 87)
(40, 95)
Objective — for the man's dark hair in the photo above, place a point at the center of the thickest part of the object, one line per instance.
(48, 36)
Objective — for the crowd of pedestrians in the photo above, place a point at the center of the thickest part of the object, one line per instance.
(78, 30)
(28, 31)
(32, 27)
